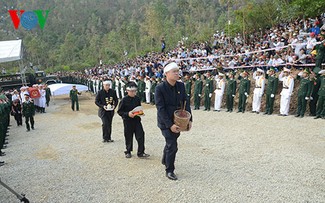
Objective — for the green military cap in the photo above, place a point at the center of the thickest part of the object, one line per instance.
(272, 69)
(306, 71)
(198, 74)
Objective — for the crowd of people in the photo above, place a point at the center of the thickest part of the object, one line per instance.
(283, 50)
(24, 102)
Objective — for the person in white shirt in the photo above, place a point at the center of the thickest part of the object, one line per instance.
(147, 89)
(286, 93)
(311, 42)
(42, 99)
(219, 91)
(259, 78)
(16, 96)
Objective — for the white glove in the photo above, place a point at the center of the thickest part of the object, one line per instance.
(199, 95)
(246, 94)
(311, 98)
(210, 95)
(188, 95)
(306, 98)
(272, 95)
(233, 95)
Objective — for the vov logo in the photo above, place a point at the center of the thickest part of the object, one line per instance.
(28, 19)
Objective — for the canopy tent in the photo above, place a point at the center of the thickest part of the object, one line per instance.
(64, 88)
(10, 50)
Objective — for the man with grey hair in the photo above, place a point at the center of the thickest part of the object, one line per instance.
(170, 96)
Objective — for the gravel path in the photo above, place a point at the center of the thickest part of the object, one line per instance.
(225, 158)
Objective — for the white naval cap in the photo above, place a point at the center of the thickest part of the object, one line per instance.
(260, 70)
(321, 72)
(170, 66)
(286, 69)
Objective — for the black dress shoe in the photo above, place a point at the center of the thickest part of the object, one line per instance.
(4, 146)
(317, 117)
(110, 140)
(33, 128)
(1, 164)
(297, 115)
(301, 116)
(105, 141)
(5, 143)
(143, 155)
(171, 176)
(228, 110)
(2, 154)
(266, 113)
(128, 155)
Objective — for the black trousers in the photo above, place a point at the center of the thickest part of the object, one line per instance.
(133, 126)
(18, 118)
(312, 105)
(107, 126)
(170, 150)
(31, 120)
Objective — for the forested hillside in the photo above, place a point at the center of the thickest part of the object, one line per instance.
(78, 33)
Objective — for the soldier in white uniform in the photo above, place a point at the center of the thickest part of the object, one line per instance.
(117, 83)
(22, 93)
(288, 84)
(122, 87)
(219, 91)
(147, 89)
(259, 78)
(42, 99)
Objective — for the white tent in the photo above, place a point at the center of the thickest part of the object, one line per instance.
(64, 88)
(10, 50)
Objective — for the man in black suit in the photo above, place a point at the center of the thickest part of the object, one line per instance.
(107, 101)
(170, 96)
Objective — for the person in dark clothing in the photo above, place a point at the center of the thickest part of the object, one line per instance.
(132, 121)
(28, 112)
(16, 112)
(170, 96)
(107, 101)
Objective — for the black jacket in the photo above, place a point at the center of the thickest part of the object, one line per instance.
(126, 105)
(168, 100)
(100, 101)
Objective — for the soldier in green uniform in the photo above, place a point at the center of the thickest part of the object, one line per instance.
(321, 97)
(208, 89)
(152, 90)
(244, 88)
(28, 112)
(271, 89)
(231, 91)
(315, 83)
(304, 92)
(141, 88)
(74, 98)
(188, 87)
(47, 95)
(320, 54)
(4, 122)
(197, 91)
